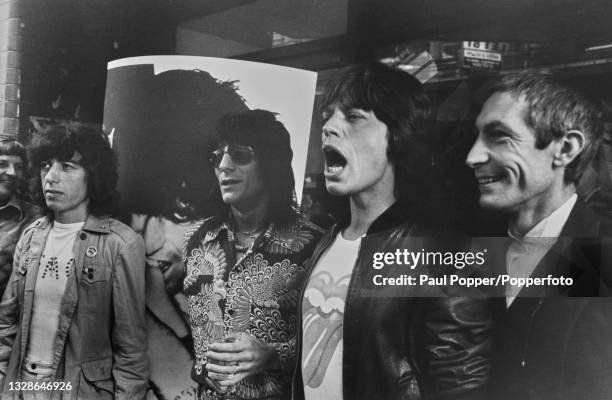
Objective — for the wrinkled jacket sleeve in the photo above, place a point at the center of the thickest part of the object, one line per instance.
(9, 317)
(457, 345)
(130, 364)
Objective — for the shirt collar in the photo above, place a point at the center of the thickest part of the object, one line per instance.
(225, 226)
(13, 202)
(92, 223)
(97, 224)
(396, 214)
(213, 233)
(551, 226)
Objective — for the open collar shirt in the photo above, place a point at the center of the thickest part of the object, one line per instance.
(525, 253)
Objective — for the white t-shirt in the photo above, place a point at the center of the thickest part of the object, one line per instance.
(323, 314)
(56, 265)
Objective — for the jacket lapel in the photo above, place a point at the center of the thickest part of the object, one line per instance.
(30, 265)
(559, 260)
(86, 239)
(495, 266)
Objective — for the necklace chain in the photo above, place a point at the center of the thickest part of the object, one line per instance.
(251, 233)
(240, 248)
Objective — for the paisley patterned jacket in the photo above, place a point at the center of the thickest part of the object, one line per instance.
(257, 294)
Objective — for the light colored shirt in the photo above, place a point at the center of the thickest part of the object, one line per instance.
(56, 265)
(323, 314)
(525, 253)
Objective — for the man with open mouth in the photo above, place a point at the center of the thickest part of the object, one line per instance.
(417, 343)
(72, 318)
(536, 135)
(15, 213)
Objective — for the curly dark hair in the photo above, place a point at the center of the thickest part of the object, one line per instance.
(271, 143)
(398, 100)
(61, 142)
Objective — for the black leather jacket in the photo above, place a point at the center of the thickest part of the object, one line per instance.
(409, 347)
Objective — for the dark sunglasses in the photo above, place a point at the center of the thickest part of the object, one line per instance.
(241, 155)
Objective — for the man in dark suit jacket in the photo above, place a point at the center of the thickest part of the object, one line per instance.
(536, 134)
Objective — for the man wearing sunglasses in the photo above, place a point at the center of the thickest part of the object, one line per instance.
(244, 265)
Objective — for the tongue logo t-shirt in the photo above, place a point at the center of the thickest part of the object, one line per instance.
(323, 313)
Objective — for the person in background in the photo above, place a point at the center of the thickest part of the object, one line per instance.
(73, 311)
(15, 213)
(244, 266)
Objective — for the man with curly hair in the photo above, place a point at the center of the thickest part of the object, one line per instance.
(73, 312)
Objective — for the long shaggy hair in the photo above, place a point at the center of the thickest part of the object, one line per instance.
(399, 101)
(61, 142)
(271, 143)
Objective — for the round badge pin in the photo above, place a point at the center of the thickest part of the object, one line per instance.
(91, 251)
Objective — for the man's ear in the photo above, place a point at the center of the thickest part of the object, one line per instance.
(571, 145)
